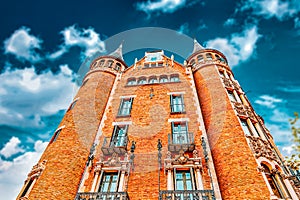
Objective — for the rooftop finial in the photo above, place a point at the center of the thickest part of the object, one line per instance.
(197, 46)
(118, 52)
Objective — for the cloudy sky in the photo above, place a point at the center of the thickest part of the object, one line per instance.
(44, 42)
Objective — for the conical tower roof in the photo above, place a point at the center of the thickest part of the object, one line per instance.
(118, 52)
(197, 46)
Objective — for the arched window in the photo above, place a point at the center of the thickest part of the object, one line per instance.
(174, 78)
(153, 79)
(273, 182)
(200, 58)
(131, 81)
(118, 67)
(193, 62)
(163, 79)
(209, 56)
(142, 80)
(110, 63)
(101, 63)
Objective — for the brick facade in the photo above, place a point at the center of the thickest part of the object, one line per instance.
(215, 153)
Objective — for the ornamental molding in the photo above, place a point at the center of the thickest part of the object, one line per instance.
(261, 148)
(114, 161)
(182, 159)
(37, 170)
(231, 85)
(203, 63)
(244, 111)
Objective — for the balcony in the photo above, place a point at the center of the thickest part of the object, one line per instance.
(102, 196)
(181, 140)
(186, 195)
(117, 145)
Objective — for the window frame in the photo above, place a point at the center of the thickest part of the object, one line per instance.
(120, 141)
(179, 103)
(174, 78)
(103, 175)
(192, 179)
(246, 128)
(123, 106)
(179, 132)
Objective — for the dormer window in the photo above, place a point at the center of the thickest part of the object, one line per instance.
(142, 81)
(153, 79)
(174, 78)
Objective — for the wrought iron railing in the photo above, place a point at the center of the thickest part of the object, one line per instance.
(117, 145)
(186, 195)
(181, 140)
(102, 196)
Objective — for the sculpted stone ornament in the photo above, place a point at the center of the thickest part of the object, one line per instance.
(37, 170)
(243, 110)
(262, 148)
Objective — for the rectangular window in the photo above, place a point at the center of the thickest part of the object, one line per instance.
(119, 138)
(183, 180)
(125, 106)
(246, 127)
(109, 182)
(177, 104)
(180, 133)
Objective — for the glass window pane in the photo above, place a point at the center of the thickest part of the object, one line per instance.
(245, 127)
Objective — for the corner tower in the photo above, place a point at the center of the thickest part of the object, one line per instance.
(243, 151)
(58, 173)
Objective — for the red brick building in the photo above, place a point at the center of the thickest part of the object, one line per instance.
(161, 130)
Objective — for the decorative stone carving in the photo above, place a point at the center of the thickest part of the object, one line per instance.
(260, 169)
(195, 67)
(262, 148)
(37, 170)
(114, 161)
(182, 159)
(243, 110)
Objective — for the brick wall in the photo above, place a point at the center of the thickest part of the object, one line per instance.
(66, 157)
(234, 162)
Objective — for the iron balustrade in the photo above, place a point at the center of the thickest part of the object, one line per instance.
(117, 145)
(102, 196)
(181, 140)
(186, 195)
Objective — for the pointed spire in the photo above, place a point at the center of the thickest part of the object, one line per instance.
(118, 52)
(197, 46)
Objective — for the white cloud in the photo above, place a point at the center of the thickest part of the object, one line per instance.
(87, 39)
(13, 173)
(164, 6)
(230, 22)
(272, 8)
(239, 48)
(23, 45)
(184, 28)
(268, 101)
(11, 147)
(28, 96)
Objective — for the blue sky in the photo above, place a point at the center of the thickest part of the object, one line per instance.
(43, 44)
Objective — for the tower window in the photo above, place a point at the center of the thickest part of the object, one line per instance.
(72, 105)
(125, 106)
(109, 182)
(176, 103)
(174, 78)
(209, 56)
(246, 127)
(273, 182)
(56, 134)
(142, 81)
(110, 63)
(131, 81)
(180, 133)
(153, 79)
(192, 62)
(26, 189)
(101, 63)
(119, 138)
(118, 67)
(200, 58)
